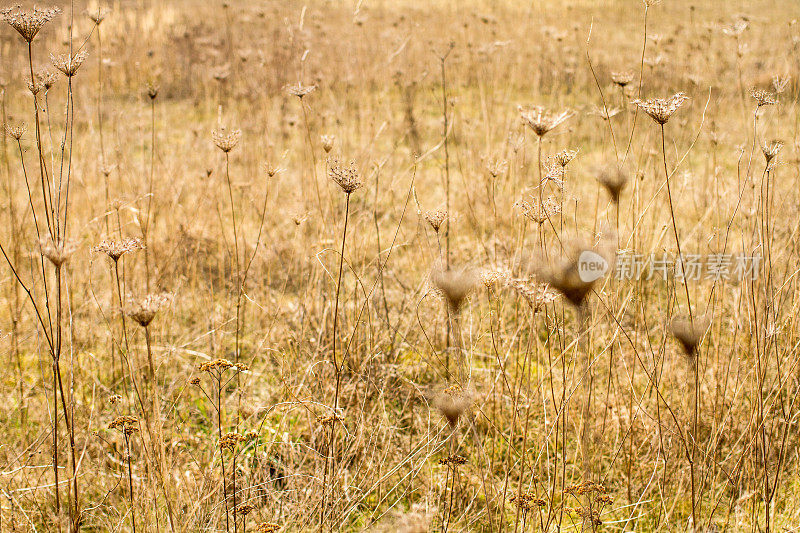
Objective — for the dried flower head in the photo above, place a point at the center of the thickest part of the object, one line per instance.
(779, 83)
(226, 140)
(455, 286)
(152, 89)
(195, 381)
(114, 399)
(46, 78)
(329, 419)
(267, 527)
(763, 97)
(229, 441)
(553, 172)
(614, 179)
(565, 274)
(661, 109)
(540, 120)
(327, 142)
(527, 500)
(15, 132)
(623, 79)
(435, 218)
(452, 404)
(537, 212)
(497, 167)
(491, 278)
(771, 149)
(605, 113)
(299, 90)
(144, 310)
(69, 64)
(736, 29)
(57, 252)
(97, 16)
(564, 157)
(28, 23)
(345, 176)
(221, 365)
(535, 294)
(125, 424)
(116, 249)
(689, 333)
(244, 509)
(453, 460)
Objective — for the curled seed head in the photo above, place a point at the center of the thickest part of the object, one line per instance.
(226, 140)
(454, 285)
(69, 64)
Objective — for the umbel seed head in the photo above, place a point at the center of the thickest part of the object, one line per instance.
(69, 64)
(613, 179)
(226, 140)
(455, 286)
(452, 404)
(540, 120)
(435, 218)
(29, 22)
(689, 333)
(661, 109)
(345, 176)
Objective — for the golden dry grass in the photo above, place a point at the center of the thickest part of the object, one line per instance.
(265, 375)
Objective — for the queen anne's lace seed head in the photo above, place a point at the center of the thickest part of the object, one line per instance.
(763, 97)
(226, 140)
(15, 132)
(299, 90)
(345, 176)
(69, 64)
(144, 310)
(540, 120)
(622, 79)
(29, 22)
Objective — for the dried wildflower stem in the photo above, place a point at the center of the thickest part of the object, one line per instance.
(338, 368)
(130, 480)
(14, 301)
(239, 287)
(641, 80)
(674, 224)
(313, 156)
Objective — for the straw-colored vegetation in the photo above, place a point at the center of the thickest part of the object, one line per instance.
(286, 266)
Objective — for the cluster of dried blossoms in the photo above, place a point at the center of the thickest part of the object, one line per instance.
(15, 132)
(329, 419)
(125, 424)
(220, 365)
(267, 527)
(528, 500)
(229, 441)
(453, 460)
(299, 90)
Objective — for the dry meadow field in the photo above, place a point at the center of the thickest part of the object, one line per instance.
(400, 266)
